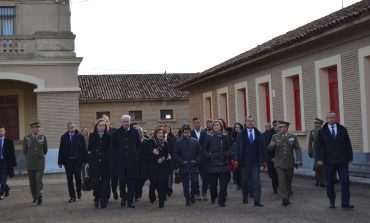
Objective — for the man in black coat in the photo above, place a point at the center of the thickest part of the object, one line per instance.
(251, 155)
(72, 154)
(126, 144)
(188, 157)
(7, 161)
(334, 151)
(200, 135)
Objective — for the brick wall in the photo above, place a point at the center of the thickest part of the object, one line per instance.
(54, 111)
(150, 112)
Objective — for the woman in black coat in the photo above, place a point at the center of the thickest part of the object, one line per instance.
(217, 149)
(99, 162)
(171, 140)
(158, 157)
(143, 175)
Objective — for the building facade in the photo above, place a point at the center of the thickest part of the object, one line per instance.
(150, 99)
(320, 67)
(38, 68)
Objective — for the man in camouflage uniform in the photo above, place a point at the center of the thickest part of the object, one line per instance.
(319, 170)
(285, 145)
(34, 149)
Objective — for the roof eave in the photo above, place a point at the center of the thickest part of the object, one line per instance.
(193, 82)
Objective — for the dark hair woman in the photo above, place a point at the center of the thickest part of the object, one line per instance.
(99, 168)
(237, 179)
(158, 157)
(217, 148)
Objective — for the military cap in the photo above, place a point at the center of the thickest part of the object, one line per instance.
(317, 120)
(35, 124)
(283, 123)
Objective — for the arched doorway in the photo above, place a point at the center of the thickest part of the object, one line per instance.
(18, 106)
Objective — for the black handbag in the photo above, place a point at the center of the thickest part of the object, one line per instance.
(87, 182)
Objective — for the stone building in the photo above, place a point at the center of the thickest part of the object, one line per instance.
(319, 67)
(150, 99)
(38, 68)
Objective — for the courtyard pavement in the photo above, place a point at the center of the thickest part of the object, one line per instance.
(309, 204)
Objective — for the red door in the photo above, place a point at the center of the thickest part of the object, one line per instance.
(297, 104)
(9, 115)
(333, 91)
(267, 95)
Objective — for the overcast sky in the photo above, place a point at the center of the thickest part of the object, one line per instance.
(154, 36)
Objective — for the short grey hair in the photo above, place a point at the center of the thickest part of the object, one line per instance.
(126, 117)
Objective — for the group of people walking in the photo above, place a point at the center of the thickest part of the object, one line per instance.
(124, 157)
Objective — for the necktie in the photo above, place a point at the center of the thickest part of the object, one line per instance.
(1, 149)
(250, 137)
(332, 131)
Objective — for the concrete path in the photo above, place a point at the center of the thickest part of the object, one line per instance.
(309, 204)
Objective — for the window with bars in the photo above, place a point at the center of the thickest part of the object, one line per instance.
(136, 115)
(166, 114)
(7, 21)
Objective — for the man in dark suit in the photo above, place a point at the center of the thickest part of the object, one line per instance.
(7, 161)
(72, 154)
(334, 152)
(201, 135)
(251, 155)
(126, 144)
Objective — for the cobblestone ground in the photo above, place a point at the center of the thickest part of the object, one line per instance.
(309, 204)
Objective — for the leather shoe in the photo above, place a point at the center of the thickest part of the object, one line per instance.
(34, 200)
(103, 205)
(39, 201)
(6, 193)
(258, 204)
(115, 195)
(188, 203)
(245, 201)
(222, 205)
(79, 195)
(332, 206)
(131, 206)
(123, 202)
(348, 206)
(72, 199)
(275, 191)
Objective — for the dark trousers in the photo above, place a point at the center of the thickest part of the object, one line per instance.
(251, 174)
(285, 177)
(273, 175)
(114, 185)
(170, 183)
(3, 176)
(237, 178)
(190, 178)
(36, 185)
(73, 169)
(205, 180)
(139, 187)
(343, 173)
(130, 185)
(161, 185)
(319, 173)
(101, 188)
(221, 178)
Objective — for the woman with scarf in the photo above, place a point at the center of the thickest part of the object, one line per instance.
(158, 157)
(99, 168)
(217, 149)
